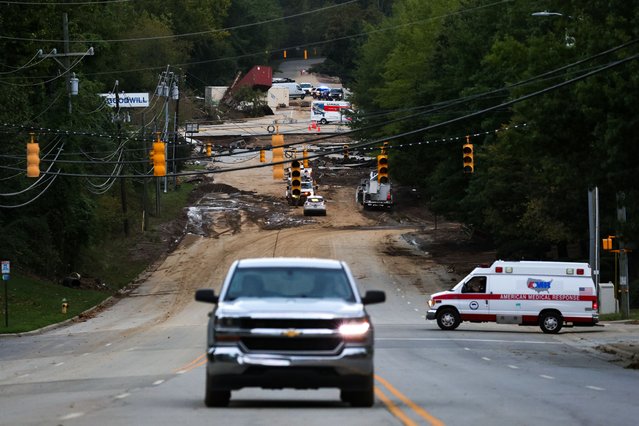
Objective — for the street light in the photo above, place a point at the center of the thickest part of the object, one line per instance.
(569, 40)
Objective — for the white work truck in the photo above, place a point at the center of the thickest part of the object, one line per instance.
(547, 294)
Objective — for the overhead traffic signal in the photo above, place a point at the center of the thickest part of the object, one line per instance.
(33, 158)
(208, 149)
(382, 168)
(296, 178)
(262, 156)
(345, 151)
(607, 243)
(159, 158)
(384, 148)
(468, 157)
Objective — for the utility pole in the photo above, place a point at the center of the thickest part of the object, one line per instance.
(71, 81)
(593, 219)
(118, 120)
(624, 286)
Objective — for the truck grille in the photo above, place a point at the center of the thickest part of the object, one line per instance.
(248, 323)
(275, 343)
(292, 344)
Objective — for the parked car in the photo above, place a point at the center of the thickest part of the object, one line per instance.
(336, 94)
(307, 87)
(321, 92)
(290, 323)
(315, 205)
(282, 80)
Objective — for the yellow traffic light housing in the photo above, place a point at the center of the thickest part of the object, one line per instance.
(345, 151)
(208, 149)
(262, 156)
(33, 158)
(159, 158)
(468, 158)
(607, 243)
(296, 179)
(382, 168)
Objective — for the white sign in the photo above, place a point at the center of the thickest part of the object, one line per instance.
(127, 100)
(6, 267)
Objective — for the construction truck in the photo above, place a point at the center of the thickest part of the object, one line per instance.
(374, 192)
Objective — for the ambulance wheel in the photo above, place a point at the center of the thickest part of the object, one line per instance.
(323, 121)
(550, 322)
(448, 319)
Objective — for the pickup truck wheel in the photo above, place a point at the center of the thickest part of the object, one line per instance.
(551, 322)
(215, 398)
(364, 398)
(448, 319)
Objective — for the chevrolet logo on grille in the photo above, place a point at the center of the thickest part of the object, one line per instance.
(291, 333)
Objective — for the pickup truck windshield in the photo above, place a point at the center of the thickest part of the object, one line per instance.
(289, 283)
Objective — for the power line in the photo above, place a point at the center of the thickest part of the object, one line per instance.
(235, 27)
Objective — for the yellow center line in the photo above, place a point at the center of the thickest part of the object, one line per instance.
(191, 365)
(434, 421)
(394, 409)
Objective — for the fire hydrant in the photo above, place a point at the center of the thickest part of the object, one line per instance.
(65, 306)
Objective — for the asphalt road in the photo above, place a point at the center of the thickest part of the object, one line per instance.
(141, 360)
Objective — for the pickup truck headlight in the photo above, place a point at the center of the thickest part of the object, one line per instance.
(431, 302)
(354, 329)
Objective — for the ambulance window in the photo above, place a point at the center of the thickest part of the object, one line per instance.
(475, 285)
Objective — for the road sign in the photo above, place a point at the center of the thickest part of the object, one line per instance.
(6, 267)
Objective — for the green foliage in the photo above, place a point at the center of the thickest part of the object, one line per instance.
(529, 189)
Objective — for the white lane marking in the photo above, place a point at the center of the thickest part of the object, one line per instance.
(466, 349)
(158, 382)
(180, 372)
(416, 310)
(108, 344)
(438, 339)
(485, 358)
(122, 395)
(597, 388)
(546, 377)
(72, 416)
(514, 367)
(86, 353)
(59, 364)
(23, 376)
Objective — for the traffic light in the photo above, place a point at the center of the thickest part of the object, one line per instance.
(607, 243)
(33, 158)
(469, 161)
(345, 148)
(262, 156)
(159, 158)
(305, 157)
(208, 149)
(384, 148)
(296, 179)
(382, 168)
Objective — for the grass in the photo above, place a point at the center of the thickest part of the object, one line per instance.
(634, 315)
(35, 303)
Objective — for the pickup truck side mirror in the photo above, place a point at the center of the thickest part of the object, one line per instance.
(373, 296)
(206, 295)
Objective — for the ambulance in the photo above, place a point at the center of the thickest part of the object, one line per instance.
(548, 294)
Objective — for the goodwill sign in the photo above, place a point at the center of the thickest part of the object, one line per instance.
(127, 100)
